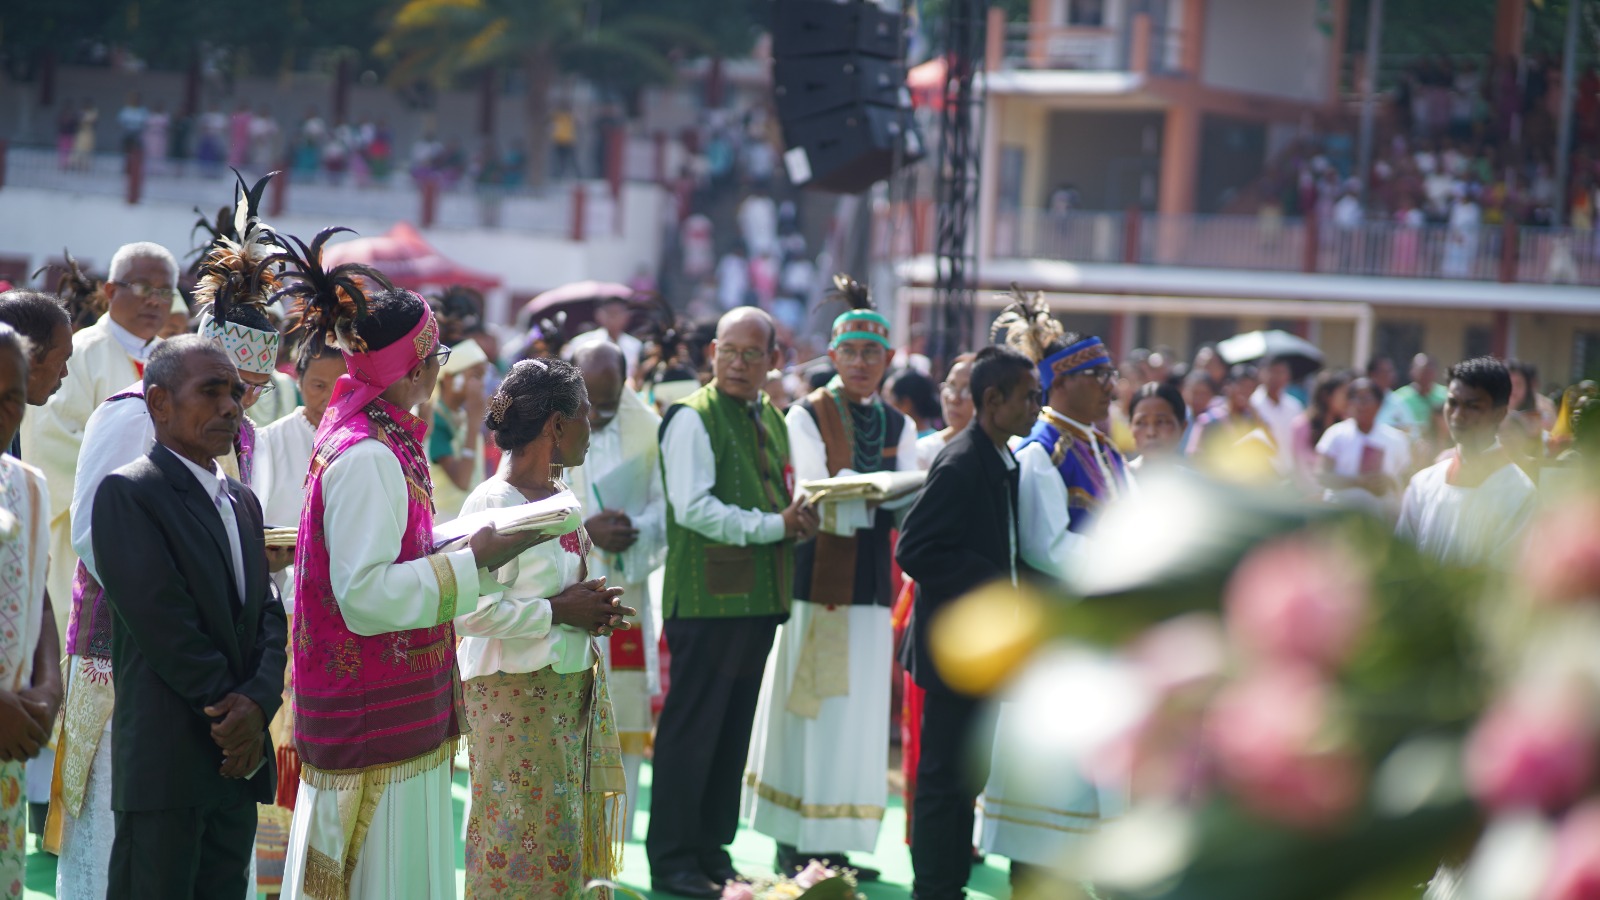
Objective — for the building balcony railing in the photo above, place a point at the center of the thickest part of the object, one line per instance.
(1504, 252)
(578, 210)
(1138, 45)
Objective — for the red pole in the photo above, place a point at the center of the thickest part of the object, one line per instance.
(616, 140)
(135, 167)
(578, 198)
(1308, 260)
(1508, 251)
(430, 201)
(1500, 335)
(279, 191)
(1131, 224)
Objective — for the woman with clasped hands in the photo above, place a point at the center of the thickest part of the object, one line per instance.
(546, 762)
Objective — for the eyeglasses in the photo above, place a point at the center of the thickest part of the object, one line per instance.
(146, 291)
(254, 392)
(752, 356)
(955, 394)
(1102, 374)
(871, 355)
(442, 354)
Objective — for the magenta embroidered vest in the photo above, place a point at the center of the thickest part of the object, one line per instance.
(386, 702)
(89, 619)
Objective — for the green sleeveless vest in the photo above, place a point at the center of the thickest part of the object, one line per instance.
(709, 580)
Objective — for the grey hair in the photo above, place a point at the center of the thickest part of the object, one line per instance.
(123, 259)
(15, 341)
(165, 367)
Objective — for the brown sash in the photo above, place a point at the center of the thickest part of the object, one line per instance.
(833, 570)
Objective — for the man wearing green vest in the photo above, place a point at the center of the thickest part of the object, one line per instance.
(730, 569)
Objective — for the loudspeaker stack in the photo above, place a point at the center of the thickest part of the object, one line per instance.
(840, 84)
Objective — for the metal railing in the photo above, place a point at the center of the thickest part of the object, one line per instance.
(1498, 252)
(459, 203)
(1136, 45)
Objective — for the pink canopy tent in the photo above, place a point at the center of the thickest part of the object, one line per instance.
(408, 260)
(926, 83)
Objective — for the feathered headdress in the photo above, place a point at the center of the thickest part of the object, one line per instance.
(861, 322)
(1026, 325)
(668, 337)
(82, 294)
(329, 301)
(238, 266)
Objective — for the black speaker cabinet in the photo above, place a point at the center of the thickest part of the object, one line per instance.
(817, 27)
(807, 85)
(846, 150)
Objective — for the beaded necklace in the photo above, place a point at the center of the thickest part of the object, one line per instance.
(413, 462)
(865, 426)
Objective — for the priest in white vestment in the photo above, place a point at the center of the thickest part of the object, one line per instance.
(106, 357)
(625, 514)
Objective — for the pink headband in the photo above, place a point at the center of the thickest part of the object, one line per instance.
(373, 372)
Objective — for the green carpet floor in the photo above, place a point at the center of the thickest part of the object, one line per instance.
(752, 853)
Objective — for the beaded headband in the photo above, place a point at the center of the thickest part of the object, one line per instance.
(1085, 354)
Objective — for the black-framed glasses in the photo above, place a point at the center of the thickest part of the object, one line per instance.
(147, 291)
(253, 392)
(1102, 374)
(442, 354)
(752, 356)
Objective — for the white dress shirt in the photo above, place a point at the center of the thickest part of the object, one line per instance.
(215, 485)
(512, 630)
(691, 473)
(137, 347)
(365, 508)
(116, 434)
(809, 456)
(1279, 417)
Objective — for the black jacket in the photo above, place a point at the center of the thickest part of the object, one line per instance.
(180, 637)
(956, 536)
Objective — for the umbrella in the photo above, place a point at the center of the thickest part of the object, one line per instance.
(1303, 356)
(408, 260)
(577, 300)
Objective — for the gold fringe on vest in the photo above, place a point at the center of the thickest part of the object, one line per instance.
(388, 773)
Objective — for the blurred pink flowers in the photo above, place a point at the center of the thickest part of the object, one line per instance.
(1561, 556)
(1267, 735)
(1531, 750)
(1298, 600)
(813, 874)
(738, 890)
(1575, 871)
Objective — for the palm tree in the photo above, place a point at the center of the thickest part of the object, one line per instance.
(441, 40)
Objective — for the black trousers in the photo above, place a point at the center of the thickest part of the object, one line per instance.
(201, 852)
(957, 733)
(703, 738)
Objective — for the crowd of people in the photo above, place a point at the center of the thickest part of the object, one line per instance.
(227, 533)
(362, 152)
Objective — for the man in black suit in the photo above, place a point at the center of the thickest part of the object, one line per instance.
(961, 533)
(197, 640)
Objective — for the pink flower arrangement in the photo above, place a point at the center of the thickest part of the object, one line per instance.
(1531, 750)
(1575, 871)
(1265, 734)
(738, 890)
(1561, 556)
(813, 874)
(1298, 600)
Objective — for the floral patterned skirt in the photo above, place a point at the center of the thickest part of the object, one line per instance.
(525, 831)
(13, 829)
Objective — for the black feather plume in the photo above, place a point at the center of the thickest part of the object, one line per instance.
(328, 301)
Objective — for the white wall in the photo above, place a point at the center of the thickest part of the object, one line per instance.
(38, 223)
(1266, 47)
